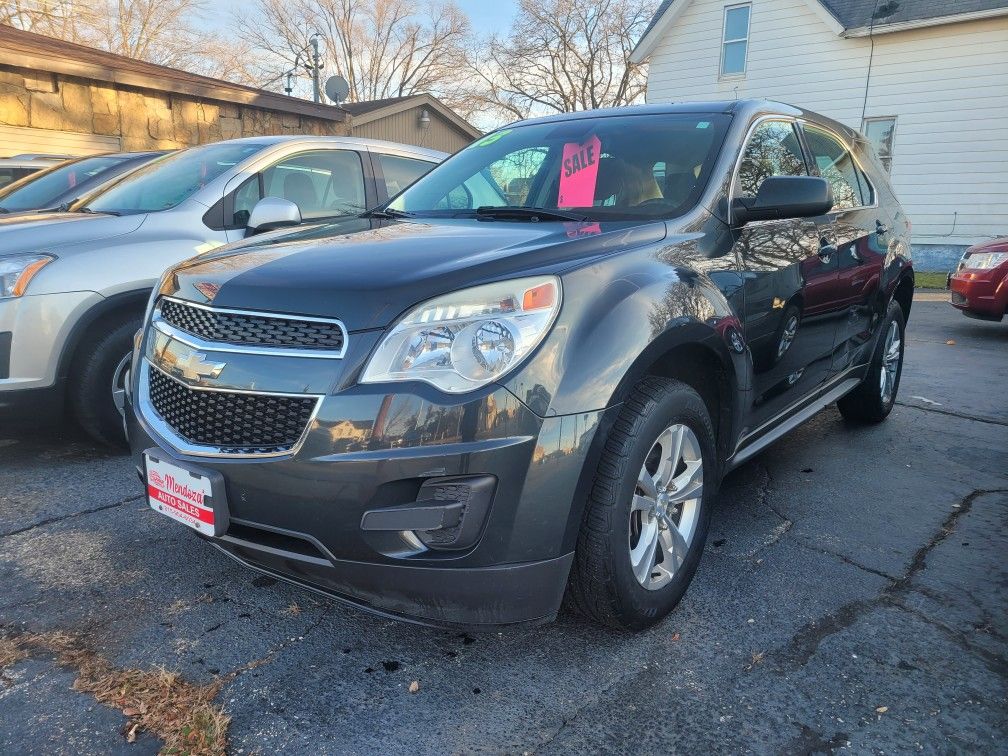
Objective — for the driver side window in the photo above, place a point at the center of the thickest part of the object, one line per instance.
(772, 150)
(322, 183)
(245, 198)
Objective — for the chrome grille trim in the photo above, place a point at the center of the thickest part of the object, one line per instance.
(160, 427)
(199, 342)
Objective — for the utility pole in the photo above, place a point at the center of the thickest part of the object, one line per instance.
(316, 67)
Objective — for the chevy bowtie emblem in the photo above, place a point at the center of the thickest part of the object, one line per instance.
(197, 366)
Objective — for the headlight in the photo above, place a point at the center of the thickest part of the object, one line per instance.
(17, 270)
(467, 339)
(985, 261)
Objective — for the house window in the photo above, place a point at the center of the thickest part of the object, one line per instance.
(879, 132)
(735, 40)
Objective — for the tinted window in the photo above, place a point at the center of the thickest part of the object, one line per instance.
(38, 190)
(773, 149)
(400, 172)
(634, 166)
(168, 182)
(836, 166)
(323, 183)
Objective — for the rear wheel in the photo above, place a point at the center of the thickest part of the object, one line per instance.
(97, 382)
(874, 398)
(648, 511)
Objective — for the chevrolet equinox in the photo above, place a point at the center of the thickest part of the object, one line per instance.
(525, 376)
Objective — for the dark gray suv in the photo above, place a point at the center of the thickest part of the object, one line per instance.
(526, 375)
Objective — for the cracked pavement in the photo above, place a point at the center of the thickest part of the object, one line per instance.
(847, 570)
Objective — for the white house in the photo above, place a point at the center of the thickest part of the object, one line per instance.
(926, 80)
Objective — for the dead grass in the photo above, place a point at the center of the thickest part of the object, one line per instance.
(181, 714)
(10, 652)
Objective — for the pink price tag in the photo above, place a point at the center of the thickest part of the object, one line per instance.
(579, 173)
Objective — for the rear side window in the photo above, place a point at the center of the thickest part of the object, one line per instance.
(835, 165)
(773, 149)
(400, 172)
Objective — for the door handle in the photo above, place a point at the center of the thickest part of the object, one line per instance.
(880, 228)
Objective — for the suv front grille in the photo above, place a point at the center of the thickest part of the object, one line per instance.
(274, 331)
(228, 421)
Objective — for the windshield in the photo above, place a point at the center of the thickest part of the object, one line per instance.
(38, 190)
(621, 167)
(168, 182)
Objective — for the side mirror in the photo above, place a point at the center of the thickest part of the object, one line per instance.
(784, 197)
(273, 212)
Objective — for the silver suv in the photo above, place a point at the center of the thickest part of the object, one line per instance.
(73, 285)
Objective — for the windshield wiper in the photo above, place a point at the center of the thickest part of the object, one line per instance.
(527, 213)
(386, 212)
(87, 209)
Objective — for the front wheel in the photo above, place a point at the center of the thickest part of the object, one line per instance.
(648, 512)
(874, 398)
(97, 383)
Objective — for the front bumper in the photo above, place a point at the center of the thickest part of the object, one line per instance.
(35, 329)
(981, 293)
(299, 517)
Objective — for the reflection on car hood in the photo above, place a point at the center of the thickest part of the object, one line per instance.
(368, 275)
(39, 232)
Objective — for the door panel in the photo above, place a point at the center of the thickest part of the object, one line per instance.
(854, 226)
(789, 312)
(790, 279)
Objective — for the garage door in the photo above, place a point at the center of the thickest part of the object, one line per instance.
(15, 140)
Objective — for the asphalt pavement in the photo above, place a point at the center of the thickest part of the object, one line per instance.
(853, 596)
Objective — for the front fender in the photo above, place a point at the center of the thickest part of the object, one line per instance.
(619, 318)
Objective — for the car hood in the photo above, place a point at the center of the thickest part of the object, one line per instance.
(41, 232)
(366, 273)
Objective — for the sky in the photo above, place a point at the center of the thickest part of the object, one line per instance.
(489, 15)
(486, 15)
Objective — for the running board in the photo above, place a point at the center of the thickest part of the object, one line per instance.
(791, 423)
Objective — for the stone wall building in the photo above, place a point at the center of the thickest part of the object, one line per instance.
(57, 97)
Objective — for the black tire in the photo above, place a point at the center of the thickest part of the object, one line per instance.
(866, 403)
(602, 585)
(90, 381)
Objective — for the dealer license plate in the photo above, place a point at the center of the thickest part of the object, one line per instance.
(182, 494)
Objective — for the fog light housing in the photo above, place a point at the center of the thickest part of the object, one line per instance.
(448, 514)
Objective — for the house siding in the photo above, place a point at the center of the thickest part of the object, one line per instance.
(404, 127)
(947, 86)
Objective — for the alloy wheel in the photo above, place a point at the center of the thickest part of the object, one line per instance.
(666, 506)
(891, 356)
(119, 377)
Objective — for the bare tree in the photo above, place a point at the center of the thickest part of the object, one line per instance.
(55, 18)
(562, 56)
(158, 31)
(384, 48)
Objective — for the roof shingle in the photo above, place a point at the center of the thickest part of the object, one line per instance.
(856, 14)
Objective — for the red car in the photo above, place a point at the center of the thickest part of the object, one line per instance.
(980, 283)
